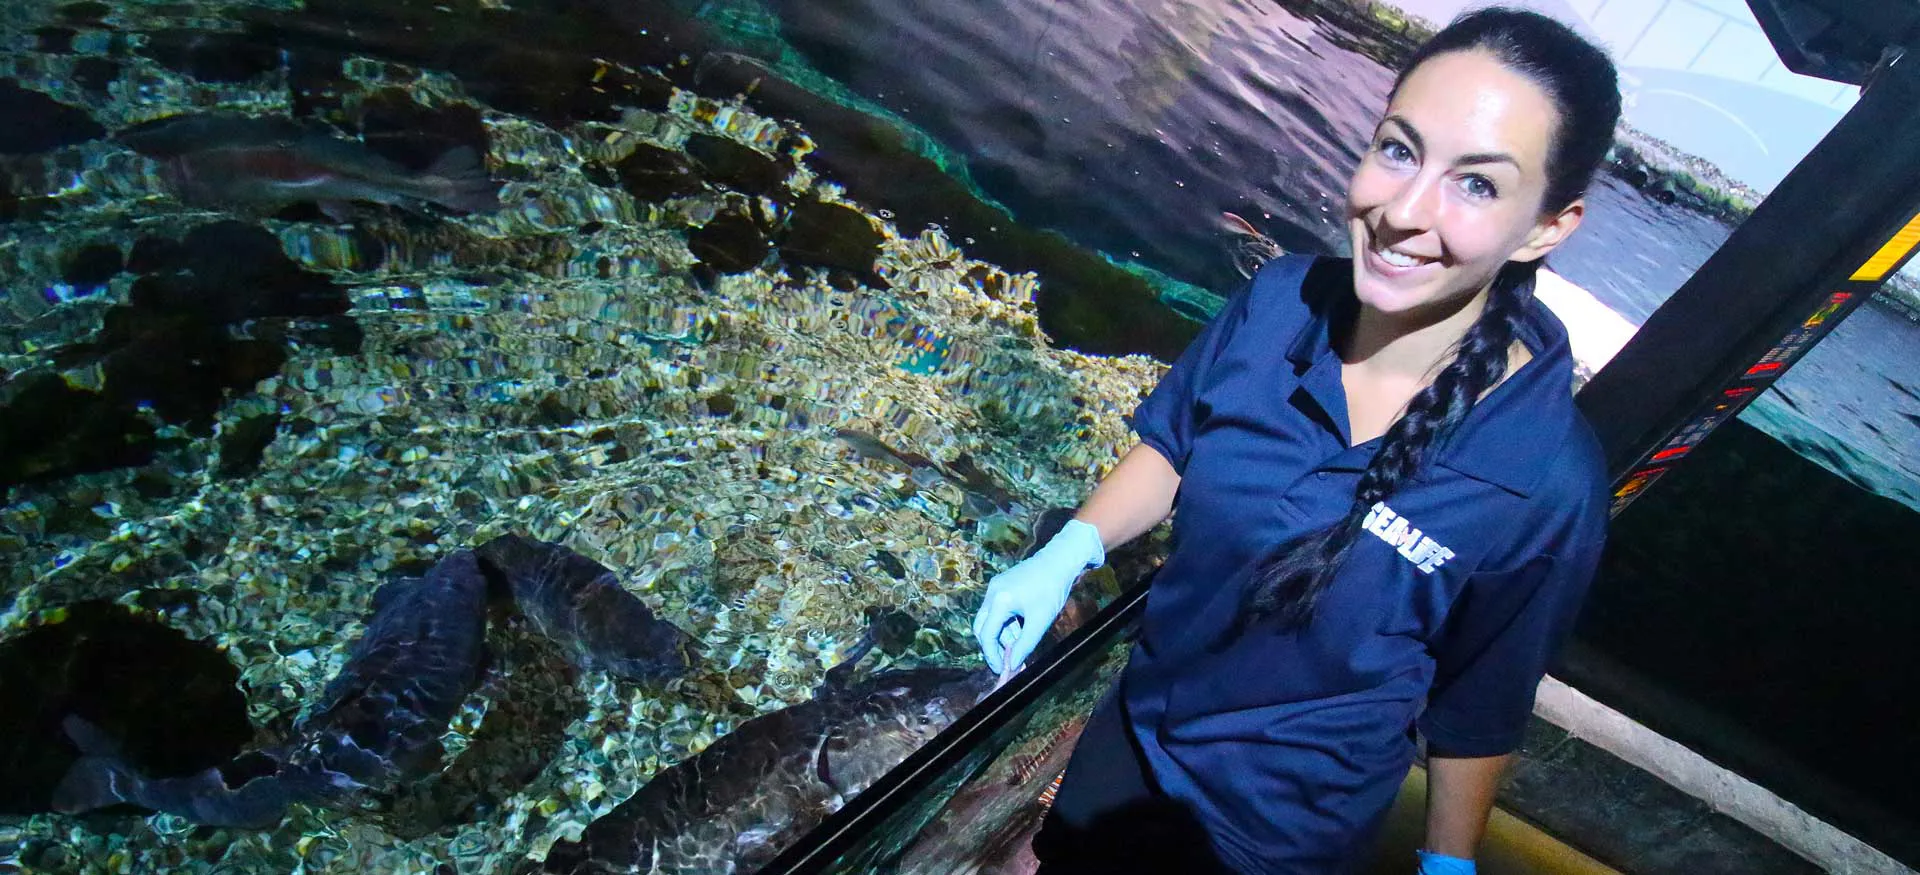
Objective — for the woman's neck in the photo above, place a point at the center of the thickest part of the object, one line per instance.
(1411, 345)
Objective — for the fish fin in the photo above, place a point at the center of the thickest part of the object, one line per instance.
(841, 675)
(91, 739)
(462, 183)
(1236, 225)
(97, 782)
(385, 595)
(459, 162)
(339, 211)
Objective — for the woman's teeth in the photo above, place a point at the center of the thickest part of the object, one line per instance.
(1398, 260)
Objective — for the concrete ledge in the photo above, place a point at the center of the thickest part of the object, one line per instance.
(1643, 803)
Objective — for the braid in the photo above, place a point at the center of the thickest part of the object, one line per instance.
(1289, 582)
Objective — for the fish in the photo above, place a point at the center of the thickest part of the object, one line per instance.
(223, 160)
(581, 607)
(377, 722)
(1250, 248)
(733, 807)
(981, 495)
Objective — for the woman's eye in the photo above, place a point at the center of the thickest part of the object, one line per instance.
(1480, 187)
(1395, 151)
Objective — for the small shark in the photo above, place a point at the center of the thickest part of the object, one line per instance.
(736, 805)
(379, 719)
(981, 494)
(230, 160)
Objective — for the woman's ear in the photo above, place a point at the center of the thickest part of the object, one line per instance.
(1551, 232)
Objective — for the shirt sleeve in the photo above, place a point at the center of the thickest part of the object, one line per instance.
(1502, 633)
(1165, 419)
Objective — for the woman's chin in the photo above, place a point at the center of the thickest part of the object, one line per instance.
(1387, 297)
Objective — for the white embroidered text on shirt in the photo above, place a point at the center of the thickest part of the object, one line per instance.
(1425, 553)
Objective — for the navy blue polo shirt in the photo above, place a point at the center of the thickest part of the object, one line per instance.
(1289, 746)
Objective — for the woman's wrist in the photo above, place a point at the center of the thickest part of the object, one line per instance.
(1081, 542)
(1441, 864)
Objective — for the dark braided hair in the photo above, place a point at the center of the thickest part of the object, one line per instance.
(1583, 86)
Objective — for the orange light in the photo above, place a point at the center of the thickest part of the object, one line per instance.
(1882, 262)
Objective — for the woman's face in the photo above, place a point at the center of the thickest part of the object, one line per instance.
(1451, 188)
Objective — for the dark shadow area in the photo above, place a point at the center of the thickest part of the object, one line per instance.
(1760, 609)
(1147, 836)
(173, 701)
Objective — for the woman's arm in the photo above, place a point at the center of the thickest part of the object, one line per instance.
(1460, 794)
(1134, 497)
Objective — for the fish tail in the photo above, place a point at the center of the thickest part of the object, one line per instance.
(458, 180)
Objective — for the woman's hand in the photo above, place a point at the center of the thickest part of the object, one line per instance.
(1032, 593)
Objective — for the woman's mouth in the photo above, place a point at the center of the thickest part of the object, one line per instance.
(1391, 263)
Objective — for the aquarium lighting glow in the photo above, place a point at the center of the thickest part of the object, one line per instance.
(1882, 262)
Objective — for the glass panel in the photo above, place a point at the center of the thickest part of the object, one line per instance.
(981, 812)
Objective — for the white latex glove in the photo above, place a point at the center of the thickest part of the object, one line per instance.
(1030, 595)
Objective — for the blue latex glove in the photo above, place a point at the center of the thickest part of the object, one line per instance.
(1029, 595)
(1441, 864)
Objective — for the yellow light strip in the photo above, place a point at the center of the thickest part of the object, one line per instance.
(1882, 262)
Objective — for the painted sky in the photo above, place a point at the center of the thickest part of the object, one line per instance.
(1700, 75)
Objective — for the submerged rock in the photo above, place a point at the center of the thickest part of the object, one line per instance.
(38, 123)
(91, 265)
(50, 430)
(731, 243)
(832, 236)
(398, 128)
(651, 173)
(170, 346)
(242, 444)
(737, 166)
(212, 56)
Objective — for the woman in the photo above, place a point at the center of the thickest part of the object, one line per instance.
(1389, 508)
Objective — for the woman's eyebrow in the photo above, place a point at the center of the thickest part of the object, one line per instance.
(1486, 158)
(1420, 145)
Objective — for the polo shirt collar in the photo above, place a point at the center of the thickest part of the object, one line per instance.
(1501, 441)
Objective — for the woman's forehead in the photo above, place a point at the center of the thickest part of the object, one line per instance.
(1468, 102)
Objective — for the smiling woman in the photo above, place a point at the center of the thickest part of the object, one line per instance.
(1389, 508)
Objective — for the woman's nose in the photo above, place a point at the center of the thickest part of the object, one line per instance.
(1415, 205)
